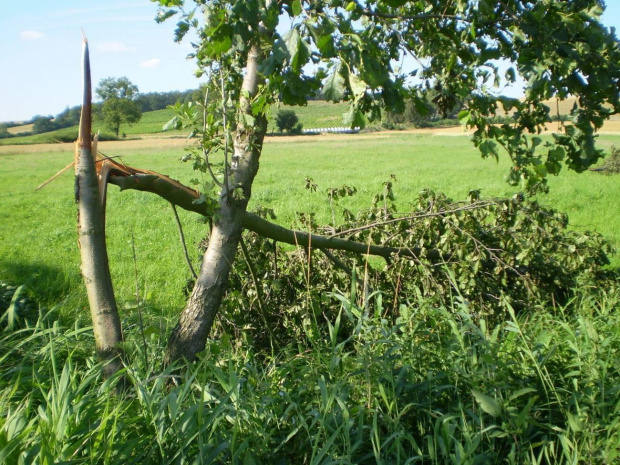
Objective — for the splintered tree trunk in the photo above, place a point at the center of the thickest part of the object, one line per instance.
(91, 236)
(189, 337)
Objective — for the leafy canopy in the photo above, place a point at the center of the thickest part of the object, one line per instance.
(117, 111)
(119, 106)
(352, 51)
(116, 88)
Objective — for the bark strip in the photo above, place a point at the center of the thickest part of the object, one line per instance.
(91, 237)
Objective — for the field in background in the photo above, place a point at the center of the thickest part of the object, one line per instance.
(38, 232)
(438, 384)
(20, 129)
(316, 114)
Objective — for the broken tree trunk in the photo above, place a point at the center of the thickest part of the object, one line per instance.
(189, 337)
(91, 237)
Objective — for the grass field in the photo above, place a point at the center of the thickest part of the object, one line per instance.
(20, 129)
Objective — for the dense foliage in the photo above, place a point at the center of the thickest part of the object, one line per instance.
(436, 386)
(286, 120)
(118, 105)
(498, 255)
(353, 50)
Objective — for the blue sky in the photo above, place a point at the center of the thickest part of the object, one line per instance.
(40, 50)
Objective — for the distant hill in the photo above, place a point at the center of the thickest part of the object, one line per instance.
(315, 115)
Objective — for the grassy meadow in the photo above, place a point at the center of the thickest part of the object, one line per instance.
(439, 386)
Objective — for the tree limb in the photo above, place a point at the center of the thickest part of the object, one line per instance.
(185, 198)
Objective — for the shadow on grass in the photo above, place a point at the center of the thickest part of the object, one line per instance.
(50, 285)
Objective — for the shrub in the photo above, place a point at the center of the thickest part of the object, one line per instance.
(44, 124)
(611, 165)
(286, 120)
(498, 254)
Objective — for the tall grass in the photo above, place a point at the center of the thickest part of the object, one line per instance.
(436, 387)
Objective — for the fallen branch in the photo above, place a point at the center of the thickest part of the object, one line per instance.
(185, 198)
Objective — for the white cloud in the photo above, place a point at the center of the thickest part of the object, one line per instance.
(31, 35)
(113, 47)
(152, 63)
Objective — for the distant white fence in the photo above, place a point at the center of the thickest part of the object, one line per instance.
(334, 130)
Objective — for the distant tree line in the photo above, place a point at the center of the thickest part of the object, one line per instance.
(71, 116)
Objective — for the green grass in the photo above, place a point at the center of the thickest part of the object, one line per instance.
(438, 387)
(317, 114)
(150, 123)
(446, 164)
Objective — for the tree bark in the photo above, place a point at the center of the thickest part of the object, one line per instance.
(189, 337)
(91, 238)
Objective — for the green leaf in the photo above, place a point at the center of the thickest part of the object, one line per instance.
(164, 15)
(334, 87)
(488, 148)
(181, 30)
(170, 2)
(174, 123)
(354, 118)
(373, 71)
(395, 3)
(248, 120)
(574, 422)
(464, 117)
(248, 459)
(487, 403)
(218, 47)
(296, 49)
(296, 7)
(351, 6)
(325, 45)
(358, 86)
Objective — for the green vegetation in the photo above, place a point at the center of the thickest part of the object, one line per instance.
(119, 105)
(150, 123)
(315, 114)
(286, 120)
(440, 386)
(488, 333)
(611, 165)
(438, 383)
(41, 220)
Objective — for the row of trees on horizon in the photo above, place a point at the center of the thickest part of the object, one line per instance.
(70, 116)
